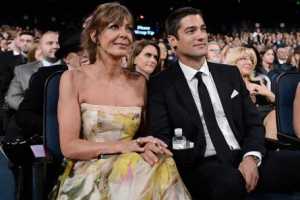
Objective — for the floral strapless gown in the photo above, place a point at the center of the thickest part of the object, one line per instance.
(118, 177)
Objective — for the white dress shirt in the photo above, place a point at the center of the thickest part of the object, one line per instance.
(222, 121)
(46, 63)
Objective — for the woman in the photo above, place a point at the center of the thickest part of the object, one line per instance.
(245, 59)
(163, 64)
(144, 57)
(105, 101)
(296, 112)
(267, 60)
(266, 65)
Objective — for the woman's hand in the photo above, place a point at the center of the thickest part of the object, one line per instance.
(138, 145)
(153, 148)
(264, 91)
(129, 146)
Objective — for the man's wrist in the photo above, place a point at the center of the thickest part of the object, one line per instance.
(257, 155)
(256, 159)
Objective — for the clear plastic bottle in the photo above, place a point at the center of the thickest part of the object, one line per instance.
(178, 140)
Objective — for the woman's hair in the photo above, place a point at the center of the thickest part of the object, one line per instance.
(236, 53)
(263, 52)
(104, 15)
(31, 54)
(137, 48)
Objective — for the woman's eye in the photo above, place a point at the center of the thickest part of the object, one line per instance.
(114, 27)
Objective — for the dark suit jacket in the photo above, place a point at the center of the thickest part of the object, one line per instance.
(29, 116)
(8, 61)
(171, 105)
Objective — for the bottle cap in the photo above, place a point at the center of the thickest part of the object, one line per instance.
(178, 132)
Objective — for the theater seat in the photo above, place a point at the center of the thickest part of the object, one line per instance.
(7, 184)
(54, 156)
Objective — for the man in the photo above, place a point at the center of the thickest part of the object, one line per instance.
(48, 45)
(213, 52)
(8, 60)
(281, 63)
(212, 106)
(30, 113)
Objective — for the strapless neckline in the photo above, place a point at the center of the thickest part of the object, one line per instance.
(108, 106)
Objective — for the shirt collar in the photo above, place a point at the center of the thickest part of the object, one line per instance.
(46, 63)
(190, 72)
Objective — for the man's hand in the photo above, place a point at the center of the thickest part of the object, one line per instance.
(248, 168)
(152, 150)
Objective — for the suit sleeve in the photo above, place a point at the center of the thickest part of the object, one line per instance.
(29, 116)
(157, 113)
(15, 92)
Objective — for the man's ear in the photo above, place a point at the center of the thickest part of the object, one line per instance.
(172, 41)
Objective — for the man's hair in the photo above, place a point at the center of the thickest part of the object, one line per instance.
(173, 20)
(26, 33)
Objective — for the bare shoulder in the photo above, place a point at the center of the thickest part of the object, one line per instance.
(135, 79)
(74, 75)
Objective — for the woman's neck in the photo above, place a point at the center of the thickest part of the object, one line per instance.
(110, 66)
(266, 66)
(145, 74)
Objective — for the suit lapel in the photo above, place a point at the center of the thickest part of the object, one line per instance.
(223, 87)
(184, 94)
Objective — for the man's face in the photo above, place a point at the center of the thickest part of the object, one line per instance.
(25, 43)
(191, 40)
(282, 53)
(49, 45)
(214, 53)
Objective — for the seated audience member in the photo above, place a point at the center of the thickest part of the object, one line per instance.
(213, 52)
(48, 45)
(100, 109)
(245, 59)
(265, 66)
(35, 53)
(163, 64)
(212, 105)
(267, 60)
(144, 57)
(30, 113)
(282, 63)
(296, 112)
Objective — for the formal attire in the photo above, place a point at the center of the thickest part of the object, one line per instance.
(174, 102)
(8, 61)
(19, 83)
(29, 116)
(122, 176)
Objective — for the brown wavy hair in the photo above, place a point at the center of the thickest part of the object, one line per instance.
(137, 48)
(100, 18)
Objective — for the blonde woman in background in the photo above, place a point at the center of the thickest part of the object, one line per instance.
(245, 59)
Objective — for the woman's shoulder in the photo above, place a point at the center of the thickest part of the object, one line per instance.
(134, 76)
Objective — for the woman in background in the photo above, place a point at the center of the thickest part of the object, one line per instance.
(245, 59)
(144, 57)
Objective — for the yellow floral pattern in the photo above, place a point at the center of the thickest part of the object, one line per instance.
(119, 177)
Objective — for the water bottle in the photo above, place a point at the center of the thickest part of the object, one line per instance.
(178, 141)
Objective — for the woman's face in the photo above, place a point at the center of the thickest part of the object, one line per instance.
(116, 39)
(147, 59)
(268, 56)
(245, 65)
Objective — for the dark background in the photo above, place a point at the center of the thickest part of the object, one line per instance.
(220, 15)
